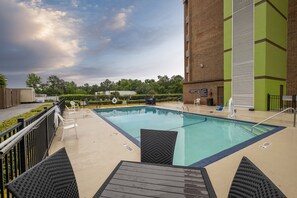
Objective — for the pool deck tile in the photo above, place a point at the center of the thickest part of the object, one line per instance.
(100, 147)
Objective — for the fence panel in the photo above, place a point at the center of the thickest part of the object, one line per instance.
(9, 97)
(2, 98)
(28, 146)
(279, 103)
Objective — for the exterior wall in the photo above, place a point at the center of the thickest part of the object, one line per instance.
(270, 49)
(27, 95)
(292, 49)
(212, 87)
(227, 50)
(204, 46)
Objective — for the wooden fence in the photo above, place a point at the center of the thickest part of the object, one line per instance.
(9, 97)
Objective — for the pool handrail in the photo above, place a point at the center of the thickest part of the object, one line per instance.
(289, 108)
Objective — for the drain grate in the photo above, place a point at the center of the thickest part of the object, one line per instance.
(265, 145)
(128, 147)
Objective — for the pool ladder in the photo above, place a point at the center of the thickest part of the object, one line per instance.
(287, 109)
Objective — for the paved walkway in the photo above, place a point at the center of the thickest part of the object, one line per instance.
(17, 110)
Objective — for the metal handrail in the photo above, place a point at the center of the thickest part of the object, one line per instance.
(11, 141)
(290, 108)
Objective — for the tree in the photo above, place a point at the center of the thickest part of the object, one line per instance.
(34, 81)
(2, 81)
(106, 85)
(86, 87)
(70, 87)
(176, 84)
(56, 86)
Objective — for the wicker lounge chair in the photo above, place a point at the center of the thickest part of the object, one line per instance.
(52, 177)
(250, 181)
(157, 146)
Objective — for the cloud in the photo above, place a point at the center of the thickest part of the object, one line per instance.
(119, 21)
(36, 39)
(75, 3)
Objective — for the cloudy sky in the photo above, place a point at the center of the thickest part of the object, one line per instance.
(88, 41)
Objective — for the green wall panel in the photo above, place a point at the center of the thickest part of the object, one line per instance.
(260, 59)
(227, 8)
(270, 61)
(227, 91)
(260, 103)
(262, 88)
(277, 27)
(227, 65)
(276, 61)
(256, 1)
(228, 34)
(281, 5)
(260, 21)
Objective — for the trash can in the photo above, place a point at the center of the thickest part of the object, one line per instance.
(209, 101)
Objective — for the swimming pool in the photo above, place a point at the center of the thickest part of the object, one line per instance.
(201, 139)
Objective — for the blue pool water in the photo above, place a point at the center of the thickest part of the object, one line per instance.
(199, 136)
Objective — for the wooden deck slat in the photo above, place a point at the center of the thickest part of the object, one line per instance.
(141, 180)
(190, 184)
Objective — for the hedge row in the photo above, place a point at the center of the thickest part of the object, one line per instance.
(159, 97)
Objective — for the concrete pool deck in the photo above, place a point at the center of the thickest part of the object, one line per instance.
(100, 147)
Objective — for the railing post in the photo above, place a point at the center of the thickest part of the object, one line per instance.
(268, 102)
(22, 149)
(46, 132)
(294, 101)
(295, 118)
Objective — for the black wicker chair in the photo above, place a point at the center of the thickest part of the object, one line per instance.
(157, 146)
(250, 181)
(52, 177)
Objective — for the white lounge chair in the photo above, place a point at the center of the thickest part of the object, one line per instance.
(68, 124)
(74, 105)
(197, 101)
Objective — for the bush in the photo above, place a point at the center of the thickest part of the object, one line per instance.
(80, 97)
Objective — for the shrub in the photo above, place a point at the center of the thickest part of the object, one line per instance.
(79, 97)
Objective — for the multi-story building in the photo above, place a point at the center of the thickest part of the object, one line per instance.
(244, 49)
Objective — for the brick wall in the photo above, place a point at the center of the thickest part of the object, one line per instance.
(292, 49)
(205, 45)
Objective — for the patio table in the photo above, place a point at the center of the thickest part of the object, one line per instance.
(142, 180)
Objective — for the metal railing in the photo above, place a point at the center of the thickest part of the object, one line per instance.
(279, 103)
(26, 147)
(287, 109)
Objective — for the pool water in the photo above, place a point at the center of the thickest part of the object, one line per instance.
(199, 136)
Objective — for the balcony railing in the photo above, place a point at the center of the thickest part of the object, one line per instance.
(26, 144)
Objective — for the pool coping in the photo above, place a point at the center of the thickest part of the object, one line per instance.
(213, 158)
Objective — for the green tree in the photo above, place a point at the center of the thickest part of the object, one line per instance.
(95, 88)
(55, 85)
(106, 85)
(3, 82)
(34, 81)
(163, 84)
(87, 88)
(70, 88)
(176, 84)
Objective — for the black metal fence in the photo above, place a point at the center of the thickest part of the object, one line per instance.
(279, 103)
(26, 144)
